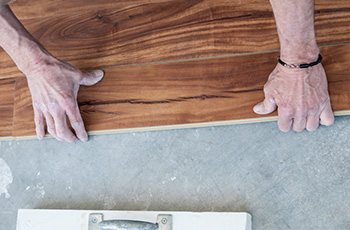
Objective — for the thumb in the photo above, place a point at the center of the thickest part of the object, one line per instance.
(265, 107)
(92, 78)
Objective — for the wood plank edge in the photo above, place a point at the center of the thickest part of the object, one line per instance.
(201, 58)
(168, 61)
(158, 128)
(173, 127)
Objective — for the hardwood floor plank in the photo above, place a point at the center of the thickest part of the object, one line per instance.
(211, 90)
(23, 113)
(25, 9)
(171, 30)
(7, 89)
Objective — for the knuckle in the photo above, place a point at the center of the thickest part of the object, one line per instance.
(59, 135)
(287, 110)
(44, 108)
(60, 131)
(301, 111)
(38, 129)
(76, 123)
(76, 120)
(69, 104)
(53, 108)
(38, 121)
(313, 110)
(267, 88)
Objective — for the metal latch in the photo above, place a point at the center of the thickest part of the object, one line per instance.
(96, 222)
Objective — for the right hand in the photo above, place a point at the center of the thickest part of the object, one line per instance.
(301, 96)
(54, 87)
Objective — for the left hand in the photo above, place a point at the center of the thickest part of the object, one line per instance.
(54, 86)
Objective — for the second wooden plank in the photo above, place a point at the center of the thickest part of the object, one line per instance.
(170, 31)
(212, 90)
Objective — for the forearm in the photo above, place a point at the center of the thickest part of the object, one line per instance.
(295, 24)
(26, 52)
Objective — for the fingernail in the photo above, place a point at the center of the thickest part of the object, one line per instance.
(256, 109)
(102, 73)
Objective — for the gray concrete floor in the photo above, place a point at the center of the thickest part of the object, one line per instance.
(285, 180)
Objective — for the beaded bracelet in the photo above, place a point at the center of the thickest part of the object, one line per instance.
(306, 65)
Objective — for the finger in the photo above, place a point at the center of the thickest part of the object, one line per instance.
(39, 120)
(265, 107)
(327, 117)
(312, 122)
(51, 126)
(299, 124)
(285, 120)
(92, 77)
(77, 123)
(62, 129)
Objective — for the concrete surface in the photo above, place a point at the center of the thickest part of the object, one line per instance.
(285, 180)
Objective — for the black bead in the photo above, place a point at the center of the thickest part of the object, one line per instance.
(302, 66)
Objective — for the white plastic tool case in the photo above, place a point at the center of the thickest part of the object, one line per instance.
(29, 219)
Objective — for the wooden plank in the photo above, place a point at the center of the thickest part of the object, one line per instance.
(176, 93)
(25, 9)
(7, 88)
(169, 31)
(189, 92)
(23, 104)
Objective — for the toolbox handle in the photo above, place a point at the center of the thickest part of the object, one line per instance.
(126, 225)
(97, 222)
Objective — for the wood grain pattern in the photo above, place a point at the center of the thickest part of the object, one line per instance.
(170, 30)
(7, 88)
(210, 90)
(23, 110)
(25, 9)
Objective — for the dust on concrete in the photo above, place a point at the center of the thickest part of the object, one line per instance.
(6, 178)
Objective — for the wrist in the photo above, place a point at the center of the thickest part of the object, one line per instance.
(301, 66)
(300, 53)
(31, 56)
